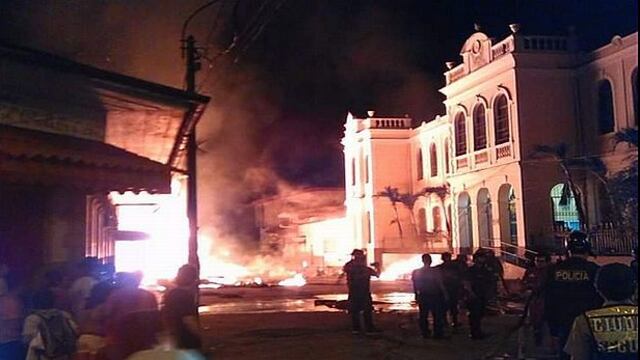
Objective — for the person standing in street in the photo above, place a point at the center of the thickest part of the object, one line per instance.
(452, 279)
(535, 277)
(132, 318)
(610, 332)
(478, 282)
(359, 283)
(181, 310)
(570, 290)
(431, 296)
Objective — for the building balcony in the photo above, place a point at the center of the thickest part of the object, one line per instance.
(484, 158)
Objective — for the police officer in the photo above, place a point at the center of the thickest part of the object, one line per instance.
(610, 332)
(359, 283)
(570, 289)
(452, 279)
(431, 297)
(478, 282)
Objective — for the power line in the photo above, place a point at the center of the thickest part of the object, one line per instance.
(250, 33)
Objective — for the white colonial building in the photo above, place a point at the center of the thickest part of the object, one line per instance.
(474, 173)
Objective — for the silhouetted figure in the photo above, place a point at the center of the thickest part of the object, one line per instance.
(81, 288)
(610, 332)
(478, 282)
(181, 310)
(570, 289)
(431, 297)
(359, 283)
(452, 279)
(534, 280)
(133, 318)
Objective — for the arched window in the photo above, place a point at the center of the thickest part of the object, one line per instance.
(420, 165)
(433, 160)
(501, 119)
(479, 128)
(606, 122)
(447, 157)
(634, 85)
(353, 172)
(437, 219)
(461, 135)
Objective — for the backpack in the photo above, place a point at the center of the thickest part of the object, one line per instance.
(58, 335)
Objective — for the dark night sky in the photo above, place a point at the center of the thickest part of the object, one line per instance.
(278, 111)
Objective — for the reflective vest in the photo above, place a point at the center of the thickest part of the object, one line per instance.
(615, 331)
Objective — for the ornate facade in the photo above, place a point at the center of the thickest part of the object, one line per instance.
(475, 176)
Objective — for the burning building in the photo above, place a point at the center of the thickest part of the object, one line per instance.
(478, 175)
(306, 228)
(77, 144)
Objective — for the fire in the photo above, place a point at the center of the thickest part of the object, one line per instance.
(297, 280)
(402, 269)
(163, 218)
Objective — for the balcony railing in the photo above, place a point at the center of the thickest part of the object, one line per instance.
(388, 123)
(545, 43)
(455, 74)
(481, 157)
(462, 162)
(502, 48)
(503, 151)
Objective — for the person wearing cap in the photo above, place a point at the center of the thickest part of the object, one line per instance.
(359, 284)
(431, 296)
(570, 289)
(610, 332)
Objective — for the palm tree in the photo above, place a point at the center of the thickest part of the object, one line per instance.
(394, 197)
(409, 201)
(559, 154)
(442, 192)
(624, 184)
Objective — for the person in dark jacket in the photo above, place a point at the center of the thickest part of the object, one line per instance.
(431, 296)
(478, 282)
(570, 289)
(452, 279)
(181, 310)
(359, 283)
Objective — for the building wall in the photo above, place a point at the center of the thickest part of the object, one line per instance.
(552, 99)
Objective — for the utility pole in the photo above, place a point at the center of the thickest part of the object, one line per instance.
(193, 65)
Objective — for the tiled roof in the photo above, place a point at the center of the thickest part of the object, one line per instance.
(30, 156)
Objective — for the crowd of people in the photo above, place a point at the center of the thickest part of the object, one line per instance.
(89, 313)
(587, 311)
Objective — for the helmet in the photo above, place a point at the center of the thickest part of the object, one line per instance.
(578, 243)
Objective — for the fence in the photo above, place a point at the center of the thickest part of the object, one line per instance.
(607, 240)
